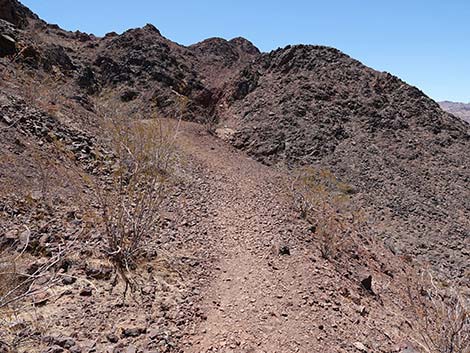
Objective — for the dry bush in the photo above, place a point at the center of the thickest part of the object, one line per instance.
(9, 276)
(441, 317)
(18, 283)
(21, 332)
(31, 200)
(323, 201)
(210, 124)
(26, 283)
(144, 153)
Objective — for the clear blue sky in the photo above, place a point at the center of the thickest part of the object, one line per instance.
(426, 43)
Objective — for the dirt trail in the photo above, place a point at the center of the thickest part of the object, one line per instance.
(257, 302)
(262, 299)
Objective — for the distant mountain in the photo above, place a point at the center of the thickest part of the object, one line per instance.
(462, 110)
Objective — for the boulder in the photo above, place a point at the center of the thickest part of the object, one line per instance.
(7, 45)
(15, 13)
(87, 80)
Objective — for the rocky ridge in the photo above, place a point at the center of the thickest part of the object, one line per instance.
(315, 105)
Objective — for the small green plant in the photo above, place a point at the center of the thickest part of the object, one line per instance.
(323, 201)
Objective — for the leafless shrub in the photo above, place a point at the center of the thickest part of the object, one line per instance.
(19, 331)
(210, 125)
(441, 315)
(144, 152)
(30, 208)
(323, 201)
(17, 284)
(26, 283)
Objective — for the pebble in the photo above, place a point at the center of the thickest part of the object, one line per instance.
(86, 292)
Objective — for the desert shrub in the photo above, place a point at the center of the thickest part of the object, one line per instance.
(32, 204)
(210, 124)
(143, 155)
(9, 277)
(441, 317)
(22, 278)
(324, 202)
(21, 334)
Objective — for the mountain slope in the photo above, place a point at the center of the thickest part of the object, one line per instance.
(406, 158)
(461, 110)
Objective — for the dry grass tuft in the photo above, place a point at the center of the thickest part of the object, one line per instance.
(441, 315)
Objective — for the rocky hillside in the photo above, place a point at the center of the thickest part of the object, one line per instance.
(406, 158)
(233, 267)
(461, 110)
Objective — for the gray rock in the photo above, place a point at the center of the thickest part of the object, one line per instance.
(133, 331)
(55, 349)
(86, 292)
(284, 250)
(65, 342)
(360, 347)
(67, 280)
(112, 338)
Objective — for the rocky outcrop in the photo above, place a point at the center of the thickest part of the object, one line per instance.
(311, 105)
(7, 45)
(8, 35)
(15, 13)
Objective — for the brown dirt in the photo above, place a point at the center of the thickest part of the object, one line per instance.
(262, 301)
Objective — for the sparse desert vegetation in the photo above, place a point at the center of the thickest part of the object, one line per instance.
(143, 158)
(325, 203)
(128, 225)
(441, 317)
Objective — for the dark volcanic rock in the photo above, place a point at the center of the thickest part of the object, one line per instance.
(8, 35)
(7, 45)
(219, 60)
(129, 95)
(407, 158)
(144, 61)
(55, 55)
(87, 80)
(366, 283)
(15, 13)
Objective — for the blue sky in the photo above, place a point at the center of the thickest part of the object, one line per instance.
(426, 43)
